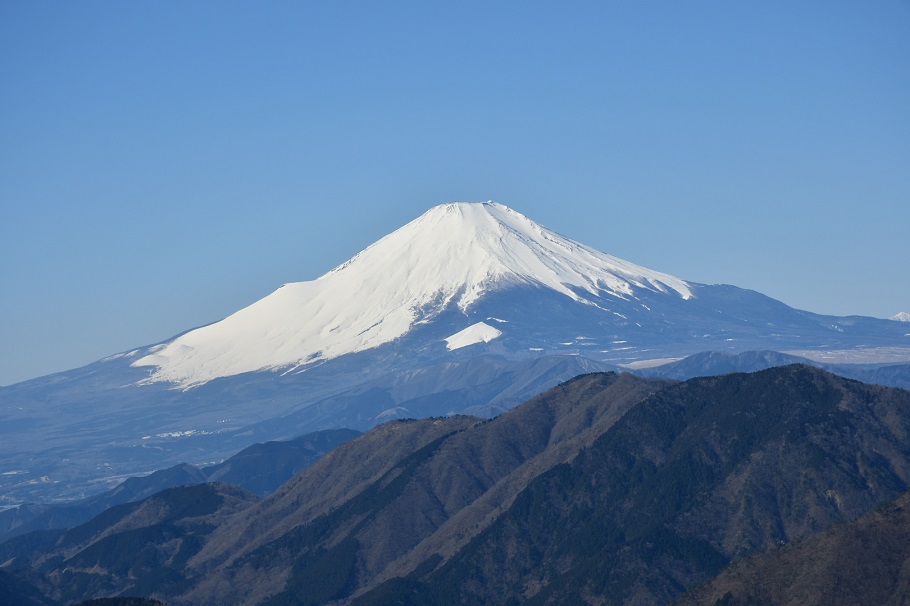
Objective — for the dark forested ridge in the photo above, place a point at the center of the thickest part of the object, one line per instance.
(137, 549)
(864, 561)
(698, 474)
(606, 489)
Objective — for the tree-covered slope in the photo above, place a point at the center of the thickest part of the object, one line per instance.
(866, 561)
(608, 489)
(700, 473)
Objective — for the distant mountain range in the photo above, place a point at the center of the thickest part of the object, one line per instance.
(608, 488)
(260, 468)
(711, 363)
(470, 308)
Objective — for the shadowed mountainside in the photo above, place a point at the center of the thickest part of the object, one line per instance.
(866, 561)
(434, 497)
(698, 474)
(607, 489)
(134, 548)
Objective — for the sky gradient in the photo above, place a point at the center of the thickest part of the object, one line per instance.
(165, 164)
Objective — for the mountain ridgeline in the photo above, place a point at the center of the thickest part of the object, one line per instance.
(468, 309)
(260, 468)
(608, 488)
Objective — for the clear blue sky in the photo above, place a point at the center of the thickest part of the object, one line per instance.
(163, 164)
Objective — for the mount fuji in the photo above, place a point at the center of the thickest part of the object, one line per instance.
(452, 259)
(470, 308)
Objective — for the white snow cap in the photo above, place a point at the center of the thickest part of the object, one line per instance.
(901, 317)
(452, 254)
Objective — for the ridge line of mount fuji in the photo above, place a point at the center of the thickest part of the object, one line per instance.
(453, 254)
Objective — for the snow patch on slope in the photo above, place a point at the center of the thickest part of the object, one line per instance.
(475, 333)
(452, 254)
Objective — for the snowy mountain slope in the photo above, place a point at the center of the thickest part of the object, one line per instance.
(475, 333)
(461, 311)
(450, 256)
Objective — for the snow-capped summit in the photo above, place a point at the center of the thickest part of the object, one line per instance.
(901, 317)
(452, 255)
(463, 249)
(469, 309)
